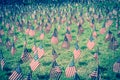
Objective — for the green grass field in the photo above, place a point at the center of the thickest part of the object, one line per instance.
(84, 65)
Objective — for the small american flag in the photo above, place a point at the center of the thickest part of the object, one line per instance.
(26, 56)
(68, 35)
(96, 56)
(108, 36)
(2, 63)
(54, 39)
(108, 23)
(94, 74)
(32, 31)
(94, 34)
(76, 51)
(103, 29)
(55, 72)
(34, 63)
(13, 50)
(40, 51)
(42, 36)
(54, 54)
(66, 43)
(70, 70)
(16, 75)
(90, 43)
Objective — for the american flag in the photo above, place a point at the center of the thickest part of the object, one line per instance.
(66, 44)
(16, 75)
(108, 36)
(116, 66)
(13, 50)
(34, 63)
(40, 51)
(54, 54)
(108, 23)
(76, 77)
(103, 29)
(26, 56)
(8, 43)
(96, 56)
(76, 51)
(42, 36)
(68, 35)
(94, 34)
(34, 48)
(27, 31)
(2, 63)
(32, 31)
(55, 72)
(95, 75)
(91, 43)
(54, 39)
(70, 70)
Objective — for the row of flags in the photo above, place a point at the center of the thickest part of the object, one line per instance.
(44, 27)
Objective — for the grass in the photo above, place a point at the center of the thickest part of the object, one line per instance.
(84, 65)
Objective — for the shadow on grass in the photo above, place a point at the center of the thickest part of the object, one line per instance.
(43, 77)
(47, 45)
(83, 47)
(20, 46)
(82, 63)
(46, 63)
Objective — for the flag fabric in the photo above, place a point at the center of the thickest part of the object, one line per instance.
(15, 38)
(17, 74)
(94, 34)
(66, 43)
(80, 29)
(34, 63)
(108, 23)
(76, 51)
(103, 29)
(8, 43)
(34, 48)
(76, 77)
(26, 56)
(54, 54)
(40, 51)
(70, 70)
(90, 43)
(116, 66)
(32, 31)
(25, 41)
(47, 27)
(13, 50)
(27, 31)
(1, 39)
(94, 75)
(54, 39)
(2, 63)
(55, 72)
(108, 36)
(68, 35)
(42, 35)
(96, 56)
